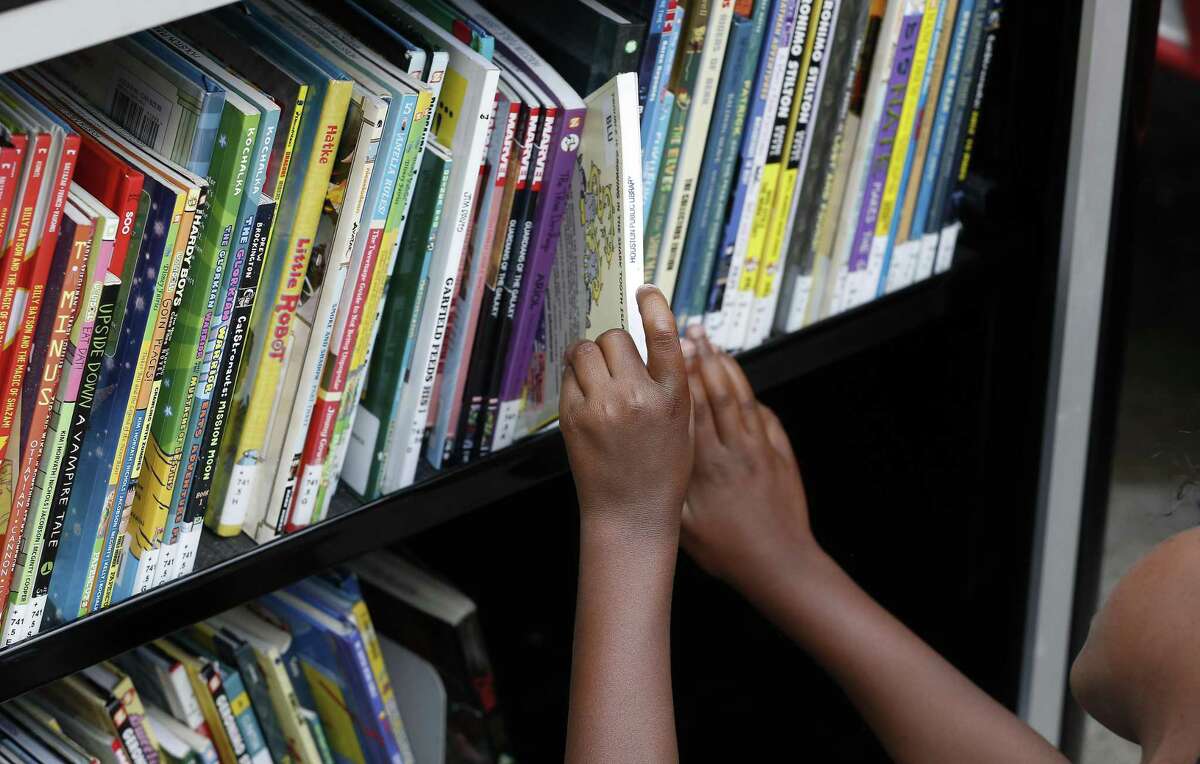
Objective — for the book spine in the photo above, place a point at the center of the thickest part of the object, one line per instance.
(651, 52)
(369, 270)
(244, 298)
(19, 243)
(724, 299)
(502, 156)
(991, 32)
(50, 389)
(30, 292)
(401, 218)
(214, 684)
(794, 173)
(509, 284)
(242, 710)
(658, 199)
(740, 293)
(289, 256)
(702, 97)
(803, 280)
(964, 92)
(893, 190)
(863, 271)
(552, 206)
(721, 159)
(310, 361)
(10, 168)
(149, 370)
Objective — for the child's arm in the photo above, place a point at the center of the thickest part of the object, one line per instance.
(626, 428)
(747, 522)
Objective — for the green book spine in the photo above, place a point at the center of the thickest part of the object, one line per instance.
(656, 225)
(394, 344)
(203, 272)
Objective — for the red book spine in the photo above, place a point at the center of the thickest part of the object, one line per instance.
(10, 168)
(118, 187)
(34, 272)
(14, 255)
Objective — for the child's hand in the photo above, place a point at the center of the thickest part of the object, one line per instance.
(745, 505)
(626, 426)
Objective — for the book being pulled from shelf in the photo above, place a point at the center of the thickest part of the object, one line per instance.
(303, 675)
(284, 248)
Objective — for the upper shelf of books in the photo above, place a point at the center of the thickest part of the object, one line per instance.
(40, 30)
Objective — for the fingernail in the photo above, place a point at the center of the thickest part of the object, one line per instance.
(688, 347)
(645, 289)
(696, 332)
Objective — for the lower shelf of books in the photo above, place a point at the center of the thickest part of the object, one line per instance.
(230, 571)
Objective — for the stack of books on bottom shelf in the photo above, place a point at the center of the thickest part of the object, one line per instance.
(386, 665)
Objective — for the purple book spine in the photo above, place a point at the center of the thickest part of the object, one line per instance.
(553, 206)
(893, 105)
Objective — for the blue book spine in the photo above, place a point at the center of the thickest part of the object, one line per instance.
(68, 598)
(721, 154)
(664, 60)
(922, 101)
(243, 715)
(716, 148)
(937, 139)
(745, 173)
(650, 53)
(652, 160)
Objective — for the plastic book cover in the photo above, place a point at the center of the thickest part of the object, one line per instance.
(173, 112)
(231, 168)
(204, 676)
(345, 696)
(334, 256)
(57, 386)
(805, 269)
(899, 164)
(398, 222)
(33, 271)
(935, 77)
(795, 177)
(270, 646)
(376, 427)
(468, 302)
(531, 283)
(720, 162)
(509, 252)
(701, 94)
(593, 287)
(287, 262)
(164, 209)
(460, 124)
(738, 222)
(885, 18)
(739, 297)
(250, 137)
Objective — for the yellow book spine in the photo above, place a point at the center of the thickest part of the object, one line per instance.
(332, 707)
(254, 426)
(287, 707)
(204, 698)
(785, 191)
(147, 389)
(908, 117)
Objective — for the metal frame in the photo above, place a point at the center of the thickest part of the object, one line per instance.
(1079, 304)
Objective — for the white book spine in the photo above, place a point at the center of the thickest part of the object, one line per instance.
(683, 194)
(947, 244)
(467, 145)
(903, 270)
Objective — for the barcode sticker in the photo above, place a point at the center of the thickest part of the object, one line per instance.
(141, 111)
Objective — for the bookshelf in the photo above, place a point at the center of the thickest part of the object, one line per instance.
(231, 571)
(1025, 308)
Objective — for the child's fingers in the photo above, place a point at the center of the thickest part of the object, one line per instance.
(776, 435)
(722, 400)
(703, 425)
(587, 361)
(571, 397)
(664, 357)
(621, 355)
(743, 394)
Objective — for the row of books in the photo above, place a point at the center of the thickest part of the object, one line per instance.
(280, 247)
(804, 157)
(247, 283)
(383, 665)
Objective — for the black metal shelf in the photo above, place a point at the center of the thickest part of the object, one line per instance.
(232, 571)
